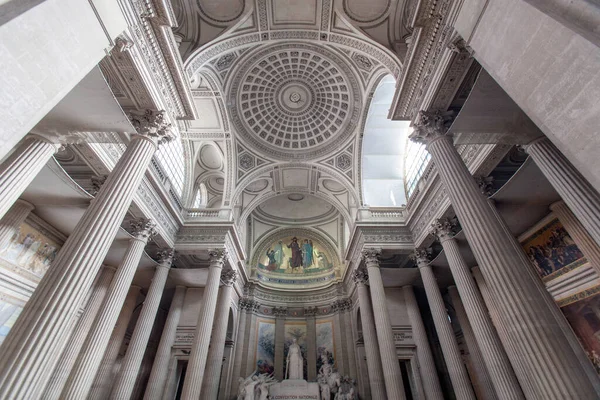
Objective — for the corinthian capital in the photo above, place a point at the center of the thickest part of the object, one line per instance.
(152, 124)
(166, 257)
(360, 276)
(142, 228)
(422, 257)
(217, 256)
(429, 125)
(228, 277)
(443, 228)
(371, 256)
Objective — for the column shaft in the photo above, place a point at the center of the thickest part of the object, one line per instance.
(456, 368)
(497, 366)
(197, 362)
(481, 373)
(376, 380)
(429, 376)
(160, 368)
(44, 326)
(69, 356)
(21, 168)
(279, 346)
(240, 338)
(349, 343)
(130, 366)
(387, 347)
(523, 303)
(94, 348)
(12, 220)
(214, 362)
(101, 383)
(585, 243)
(573, 188)
(311, 348)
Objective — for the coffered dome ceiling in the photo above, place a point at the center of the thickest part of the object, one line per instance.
(294, 101)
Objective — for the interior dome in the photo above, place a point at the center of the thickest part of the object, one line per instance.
(292, 100)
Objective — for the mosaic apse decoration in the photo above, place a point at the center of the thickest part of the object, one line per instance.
(552, 251)
(265, 347)
(298, 331)
(295, 255)
(325, 342)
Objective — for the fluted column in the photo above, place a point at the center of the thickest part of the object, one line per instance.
(482, 375)
(89, 359)
(125, 382)
(311, 344)
(349, 342)
(387, 348)
(197, 362)
(12, 220)
(585, 243)
(69, 356)
(160, 368)
(34, 343)
(428, 373)
(279, 362)
(214, 362)
(376, 380)
(21, 168)
(579, 195)
(497, 366)
(524, 306)
(454, 363)
(100, 386)
(240, 339)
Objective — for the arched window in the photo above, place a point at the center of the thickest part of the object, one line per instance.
(417, 158)
(200, 196)
(170, 158)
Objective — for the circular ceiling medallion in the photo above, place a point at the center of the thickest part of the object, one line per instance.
(294, 101)
(257, 186)
(295, 197)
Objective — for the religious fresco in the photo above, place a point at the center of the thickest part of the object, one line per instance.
(325, 343)
(265, 347)
(30, 249)
(295, 330)
(8, 315)
(296, 255)
(583, 314)
(552, 251)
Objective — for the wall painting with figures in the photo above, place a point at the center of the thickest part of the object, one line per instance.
(325, 342)
(296, 255)
(265, 346)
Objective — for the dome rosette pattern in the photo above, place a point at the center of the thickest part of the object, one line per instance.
(294, 101)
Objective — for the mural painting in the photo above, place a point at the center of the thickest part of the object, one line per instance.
(296, 255)
(295, 330)
(8, 315)
(325, 343)
(551, 249)
(584, 317)
(31, 250)
(265, 347)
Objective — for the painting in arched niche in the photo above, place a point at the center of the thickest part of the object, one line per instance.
(296, 255)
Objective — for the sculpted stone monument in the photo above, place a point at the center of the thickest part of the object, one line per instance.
(294, 362)
(295, 387)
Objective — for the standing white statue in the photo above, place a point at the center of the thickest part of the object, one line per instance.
(294, 362)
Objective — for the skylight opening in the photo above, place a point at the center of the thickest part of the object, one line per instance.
(170, 158)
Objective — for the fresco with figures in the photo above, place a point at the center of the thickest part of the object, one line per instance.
(325, 343)
(552, 251)
(583, 313)
(296, 255)
(30, 249)
(295, 330)
(265, 347)
(8, 315)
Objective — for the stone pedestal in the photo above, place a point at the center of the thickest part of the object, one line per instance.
(21, 168)
(428, 372)
(294, 389)
(92, 352)
(197, 362)
(524, 306)
(376, 381)
(456, 368)
(585, 243)
(32, 347)
(579, 195)
(214, 363)
(389, 360)
(125, 382)
(160, 368)
(12, 220)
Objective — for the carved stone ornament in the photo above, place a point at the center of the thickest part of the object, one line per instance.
(422, 257)
(122, 44)
(371, 256)
(443, 228)
(429, 125)
(311, 311)
(341, 304)
(280, 311)
(142, 228)
(360, 276)
(97, 182)
(166, 257)
(228, 277)
(217, 255)
(152, 124)
(485, 184)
